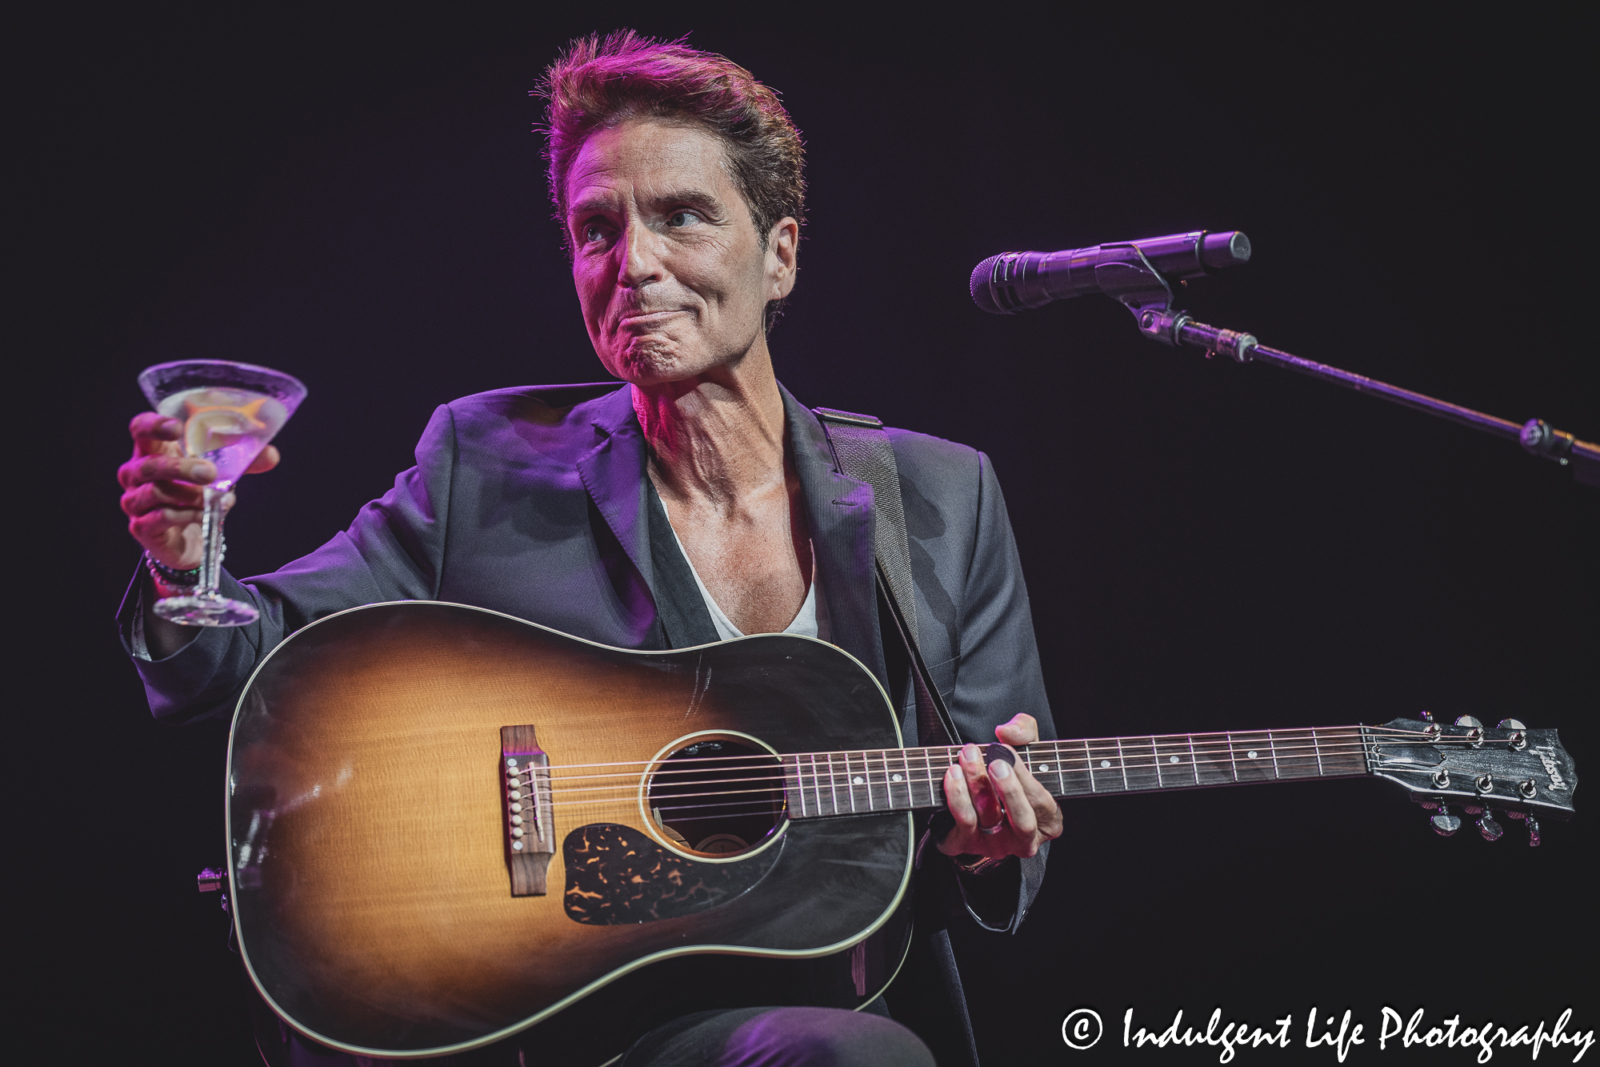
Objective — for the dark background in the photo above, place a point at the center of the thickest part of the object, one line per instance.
(355, 197)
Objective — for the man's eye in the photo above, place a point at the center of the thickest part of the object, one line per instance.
(592, 233)
(682, 218)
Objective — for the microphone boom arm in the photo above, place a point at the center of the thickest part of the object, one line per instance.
(1150, 300)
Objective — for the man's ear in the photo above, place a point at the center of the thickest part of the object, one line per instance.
(783, 250)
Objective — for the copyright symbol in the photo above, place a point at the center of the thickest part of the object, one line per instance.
(1081, 1029)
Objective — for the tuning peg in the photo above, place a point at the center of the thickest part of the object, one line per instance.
(1533, 827)
(1510, 724)
(1468, 720)
(1490, 829)
(1445, 824)
(1425, 716)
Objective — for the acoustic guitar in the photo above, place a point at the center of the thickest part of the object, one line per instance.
(448, 826)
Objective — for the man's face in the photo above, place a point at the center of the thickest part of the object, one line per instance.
(668, 264)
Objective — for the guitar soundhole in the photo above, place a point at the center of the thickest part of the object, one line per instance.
(717, 797)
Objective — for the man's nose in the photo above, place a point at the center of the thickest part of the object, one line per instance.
(641, 256)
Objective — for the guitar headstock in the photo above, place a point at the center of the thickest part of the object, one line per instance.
(1481, 770)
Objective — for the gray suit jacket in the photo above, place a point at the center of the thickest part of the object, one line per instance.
(534, 502)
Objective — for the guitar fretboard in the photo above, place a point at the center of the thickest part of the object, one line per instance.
(821, 784)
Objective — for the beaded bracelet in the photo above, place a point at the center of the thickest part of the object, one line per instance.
(173, 579)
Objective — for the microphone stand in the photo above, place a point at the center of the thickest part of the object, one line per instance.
(1145, 292)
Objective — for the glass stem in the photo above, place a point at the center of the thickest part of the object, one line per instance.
(211, 547)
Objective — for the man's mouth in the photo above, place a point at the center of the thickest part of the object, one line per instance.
(645, 320)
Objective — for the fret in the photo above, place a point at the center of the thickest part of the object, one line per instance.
(816, 786)
(1252, 758)
(1345, 754)
(1174, 759)
(889, 783)
(1140, 771)
(1213, 762)
(833, 785)
(1072, 772)
(1194, 764)
(1105, 765)
(1318, 749)
(1297, 757)
(794, 790)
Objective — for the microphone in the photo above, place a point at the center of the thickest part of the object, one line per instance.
(1007, 283)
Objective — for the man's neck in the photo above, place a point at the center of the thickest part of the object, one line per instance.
(716, 439)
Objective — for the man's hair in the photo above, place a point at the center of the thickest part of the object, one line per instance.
(600, 83)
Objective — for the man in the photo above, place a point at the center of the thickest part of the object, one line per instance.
(697, 502)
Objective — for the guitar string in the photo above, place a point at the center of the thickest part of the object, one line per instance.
(880, 778)
(1035, 759)
(760, 802)
(887, 787)
(1238, 741)
(1216, 774)
(1066, 749)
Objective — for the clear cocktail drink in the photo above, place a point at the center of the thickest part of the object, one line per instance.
(230, 411)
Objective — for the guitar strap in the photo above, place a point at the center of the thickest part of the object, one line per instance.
(862, 451)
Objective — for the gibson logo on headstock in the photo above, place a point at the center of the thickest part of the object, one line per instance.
(1550, 768)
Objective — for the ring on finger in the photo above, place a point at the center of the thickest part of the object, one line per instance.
(996, 828)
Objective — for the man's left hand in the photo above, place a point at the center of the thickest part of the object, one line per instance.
(1000, 809)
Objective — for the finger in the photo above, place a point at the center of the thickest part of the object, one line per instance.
(959, 803)
(979, 787)
(153, 495)
(958, 798)
(165, 468)
(268, 459)
(1021, 730)
(150, 431)
(1007, 784)
(1046, 810)
(170, 535)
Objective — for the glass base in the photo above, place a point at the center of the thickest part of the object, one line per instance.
(206, 609)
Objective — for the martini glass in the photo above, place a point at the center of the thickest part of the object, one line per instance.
(229, 411)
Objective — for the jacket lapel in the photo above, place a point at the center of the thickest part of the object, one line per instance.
(839, 511)
(614, 474)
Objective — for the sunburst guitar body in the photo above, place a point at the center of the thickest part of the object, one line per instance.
(448, 826)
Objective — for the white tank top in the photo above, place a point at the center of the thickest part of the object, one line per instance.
(812, 620)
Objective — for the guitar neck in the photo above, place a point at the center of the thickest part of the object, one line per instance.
(820, 784)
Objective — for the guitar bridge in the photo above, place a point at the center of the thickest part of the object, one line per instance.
(529, 825)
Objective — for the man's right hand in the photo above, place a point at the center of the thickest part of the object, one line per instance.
(162, 490)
